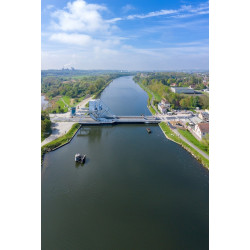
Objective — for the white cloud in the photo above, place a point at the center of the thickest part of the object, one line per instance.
(184, 11)
(85, 41)
(77, 39)
(80, 16)
(153, 14)
(130, 58)
(127, 8)
(50, 6)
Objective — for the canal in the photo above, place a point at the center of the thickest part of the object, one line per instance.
(135, 191)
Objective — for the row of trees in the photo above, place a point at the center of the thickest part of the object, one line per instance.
(180, 79)
(74, 87)
(177, 101)
(45, 124)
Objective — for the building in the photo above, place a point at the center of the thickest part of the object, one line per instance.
(201, 130)
(204, 116)
(163, 106)
(182, 90)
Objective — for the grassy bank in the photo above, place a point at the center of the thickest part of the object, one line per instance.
(172, 136)
(61, 140)
(193, 140)
(44, 136)
(98, 93)
(150, 96)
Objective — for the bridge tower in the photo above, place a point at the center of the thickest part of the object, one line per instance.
(99, 111)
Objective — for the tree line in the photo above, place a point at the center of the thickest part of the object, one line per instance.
(159, 84)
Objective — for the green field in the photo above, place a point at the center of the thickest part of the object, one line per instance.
(171, 135)
(193, 140)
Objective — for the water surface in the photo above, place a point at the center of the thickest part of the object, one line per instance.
(136, 190)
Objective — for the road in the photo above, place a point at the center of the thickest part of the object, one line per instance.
(187, 141)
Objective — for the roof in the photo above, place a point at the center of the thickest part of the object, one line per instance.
(204, 127)
(164, 101)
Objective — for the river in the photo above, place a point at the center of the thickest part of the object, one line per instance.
(135, 191)
(44, 102)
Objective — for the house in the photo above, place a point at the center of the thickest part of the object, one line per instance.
(204, 116)
(182, 90)
(201, 130)
(163, 106)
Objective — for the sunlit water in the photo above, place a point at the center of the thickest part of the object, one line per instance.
(135, 191)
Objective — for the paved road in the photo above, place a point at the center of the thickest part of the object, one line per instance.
(187, 141)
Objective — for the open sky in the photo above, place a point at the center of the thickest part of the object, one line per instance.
(126, 35)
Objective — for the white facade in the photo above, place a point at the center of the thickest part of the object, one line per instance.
(200, 130)
(182, 90)
(163, 106)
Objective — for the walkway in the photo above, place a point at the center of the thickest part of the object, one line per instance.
(152, 101)
(188, 142)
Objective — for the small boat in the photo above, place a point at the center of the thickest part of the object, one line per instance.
(80, 158)
(148, 129)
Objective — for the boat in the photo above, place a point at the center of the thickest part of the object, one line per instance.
(80, 158)
(148, 129)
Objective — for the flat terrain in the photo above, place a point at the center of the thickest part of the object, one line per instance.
(61, 128)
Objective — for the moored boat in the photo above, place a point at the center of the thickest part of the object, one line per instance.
(80, 158)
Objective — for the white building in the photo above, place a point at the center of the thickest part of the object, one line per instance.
(163, 106)
(204, 116)
(201, 130)
(182, 90)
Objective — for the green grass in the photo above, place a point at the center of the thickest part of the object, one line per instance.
(66, 99)
(62, 105)
(152, 110)
(171, 135)
(61, 140)
(157, 97)
(79, 100)
(44, 136)
(150, 96)
(193, 140)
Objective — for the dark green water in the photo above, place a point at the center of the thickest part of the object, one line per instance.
(136, 190)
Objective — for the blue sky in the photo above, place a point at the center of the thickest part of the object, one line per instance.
(127, 35)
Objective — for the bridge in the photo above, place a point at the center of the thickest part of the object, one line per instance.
(98, 113)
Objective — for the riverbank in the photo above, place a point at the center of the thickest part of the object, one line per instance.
(61, 141)
(150, 100)
(171, 136)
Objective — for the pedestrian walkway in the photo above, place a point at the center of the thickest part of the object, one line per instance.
(189, 143)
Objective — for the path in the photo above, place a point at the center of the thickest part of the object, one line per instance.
(152, 101)
(60, 128)
(188, 142)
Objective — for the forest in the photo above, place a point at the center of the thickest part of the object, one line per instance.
(160, 84)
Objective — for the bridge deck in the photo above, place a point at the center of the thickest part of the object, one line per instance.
(87, 120)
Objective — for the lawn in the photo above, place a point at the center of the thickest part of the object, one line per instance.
(171, 135)
(193, 140)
